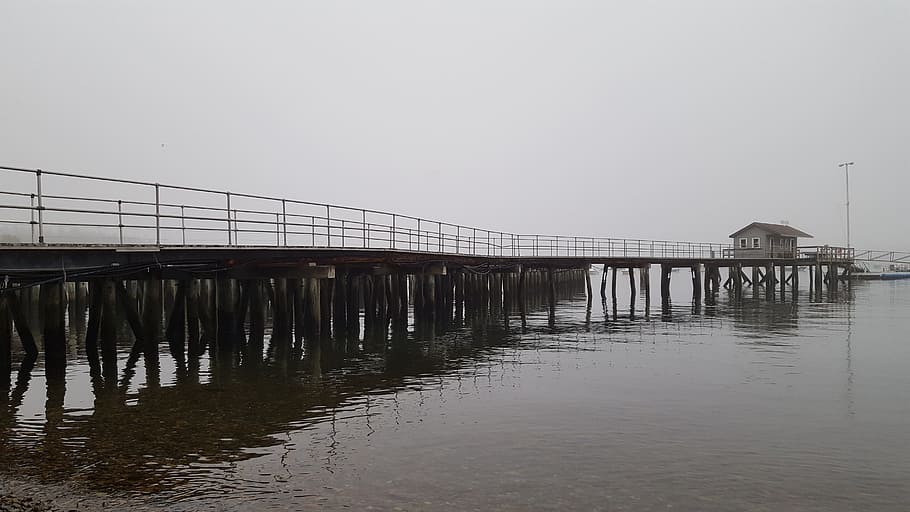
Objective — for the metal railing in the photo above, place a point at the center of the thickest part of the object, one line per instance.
(42, 206)
(827, 253)
(882, 256)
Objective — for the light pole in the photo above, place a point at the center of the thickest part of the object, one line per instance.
(846, 166)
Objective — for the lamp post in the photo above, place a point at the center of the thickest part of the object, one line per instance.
(846, 166)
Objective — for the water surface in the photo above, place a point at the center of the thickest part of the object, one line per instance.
(762, 403)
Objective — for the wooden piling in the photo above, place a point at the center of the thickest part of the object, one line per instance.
(818, 275)
(709, 273)
(551, 288)
(6, 344)
(632, 282)
(151, 317)
(613, 283)
(258, 313)
(225, 314)
(21, 323)
(54, 314)
(696, 282)
(109, 331)
(326, 287)
(176, 323)
(737, 271)
(192, 317)
(96, 303)
(665, 270)
(588, 285)
(313, 306)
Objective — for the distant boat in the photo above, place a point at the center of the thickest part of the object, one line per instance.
(890, 276)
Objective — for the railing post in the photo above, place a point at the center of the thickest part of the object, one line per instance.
(277, 229)
(342, 233)
(32, 222)
(366, 239)
(182, 225)
(40, 208)
(120, 219)
(392, 233)
(439, 235)
(157, 214)
(284, 222)
(236, 229)
(418, 238)
(457, 237)
(328, 225)
(228, 211)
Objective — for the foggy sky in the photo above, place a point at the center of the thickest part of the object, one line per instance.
(669, 120)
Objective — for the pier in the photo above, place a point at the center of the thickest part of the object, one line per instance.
(212, 270)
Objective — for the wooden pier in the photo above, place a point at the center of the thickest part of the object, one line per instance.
(215, 276)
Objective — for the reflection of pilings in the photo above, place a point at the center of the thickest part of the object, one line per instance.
(696, 282)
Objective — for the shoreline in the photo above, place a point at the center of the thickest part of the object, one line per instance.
(19, 494)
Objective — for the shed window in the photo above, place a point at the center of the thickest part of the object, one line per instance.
(742, 243)
(756, 243)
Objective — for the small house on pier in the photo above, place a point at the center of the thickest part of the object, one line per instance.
(765, 240)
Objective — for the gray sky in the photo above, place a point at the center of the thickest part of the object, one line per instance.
(675, 120)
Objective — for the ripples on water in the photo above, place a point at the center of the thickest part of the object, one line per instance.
(761, 404)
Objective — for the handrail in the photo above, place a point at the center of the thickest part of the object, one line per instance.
(140, 212)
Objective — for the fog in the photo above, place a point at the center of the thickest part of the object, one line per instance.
(668, 120)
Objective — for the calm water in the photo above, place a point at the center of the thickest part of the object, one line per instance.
(762, 405)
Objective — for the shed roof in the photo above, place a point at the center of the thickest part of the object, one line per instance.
(775, 229)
